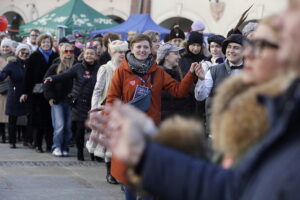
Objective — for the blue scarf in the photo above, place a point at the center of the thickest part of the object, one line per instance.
(46, 54)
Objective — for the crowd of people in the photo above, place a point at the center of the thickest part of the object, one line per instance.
(187, 117)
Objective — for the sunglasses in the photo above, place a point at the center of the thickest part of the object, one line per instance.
(69, 51)
(24, 53)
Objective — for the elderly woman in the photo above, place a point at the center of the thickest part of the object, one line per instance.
(15, 70)
(36, 66)
(6, 50)
(140, 81)
(84, 76)
(105, 73)
(56, 94)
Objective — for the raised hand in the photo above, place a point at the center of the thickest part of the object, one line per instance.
(199, 71)
(193, 66)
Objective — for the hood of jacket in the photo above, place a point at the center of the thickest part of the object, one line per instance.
(239, 121)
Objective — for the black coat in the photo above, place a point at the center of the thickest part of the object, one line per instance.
(84, 79)
(185, 64)
(15, 70)
(171, 105)
(35, 70)
(57, 90)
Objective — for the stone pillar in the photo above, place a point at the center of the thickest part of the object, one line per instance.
(140, 6)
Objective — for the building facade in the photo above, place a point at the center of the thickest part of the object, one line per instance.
(219, 16)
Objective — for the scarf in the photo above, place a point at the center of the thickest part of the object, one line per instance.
(46, 53)
(139, 67)
(195, 57)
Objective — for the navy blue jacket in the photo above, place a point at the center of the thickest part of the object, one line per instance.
(269, 171)
(16, 72)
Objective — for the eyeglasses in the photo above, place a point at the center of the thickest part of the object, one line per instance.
(257, 45)
(34, 35)
(24, 53)
(69, 51)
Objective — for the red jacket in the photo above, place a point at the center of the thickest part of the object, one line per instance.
(123, 86)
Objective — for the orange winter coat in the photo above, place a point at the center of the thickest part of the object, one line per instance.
(123, 86)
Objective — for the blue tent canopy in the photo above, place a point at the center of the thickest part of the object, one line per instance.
(137, 23)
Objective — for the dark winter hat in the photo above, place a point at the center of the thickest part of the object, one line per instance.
(167, 38)
(233, 38)
(99, 35)
(219, 39)
(176, 32)
(63, 40)
(195, 37)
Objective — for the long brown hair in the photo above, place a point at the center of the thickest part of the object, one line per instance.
(65, 64)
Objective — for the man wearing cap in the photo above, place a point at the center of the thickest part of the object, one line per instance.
(72, 40)
(208, 82)
(176, 36)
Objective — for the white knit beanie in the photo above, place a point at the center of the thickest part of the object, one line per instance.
(198, 25)
(118, 45)
(7, 42)
(22, 46)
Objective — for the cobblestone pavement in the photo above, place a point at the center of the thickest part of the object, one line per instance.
(27, 175)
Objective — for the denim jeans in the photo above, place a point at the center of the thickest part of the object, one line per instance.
(61, 121)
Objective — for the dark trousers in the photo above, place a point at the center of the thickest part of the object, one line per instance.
(12, 129)
(28, 132)
(79, 134)
(2, 131)
(40, 134)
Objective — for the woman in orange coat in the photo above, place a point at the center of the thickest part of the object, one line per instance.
(139, 74)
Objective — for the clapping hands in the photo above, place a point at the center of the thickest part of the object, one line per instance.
(197, 69)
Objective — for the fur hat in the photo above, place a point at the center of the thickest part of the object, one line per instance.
(219, 39)
(233, 38)
(22, 46)
(118, 45)
(195, 37)
(176, 32)
(7, 42)
(198, 25)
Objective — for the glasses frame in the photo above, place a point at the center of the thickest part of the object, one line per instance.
(258, 45)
